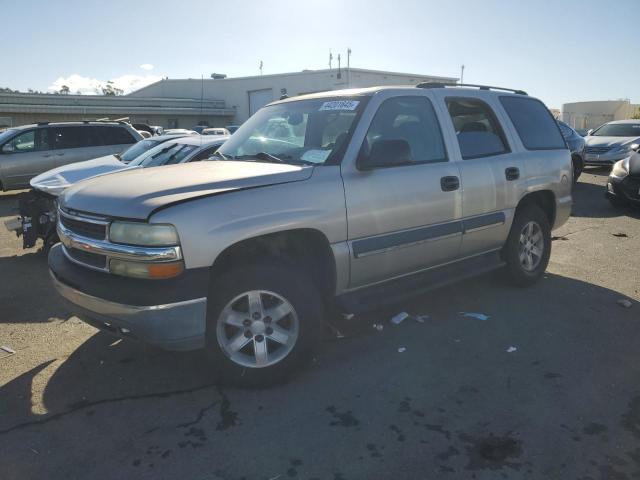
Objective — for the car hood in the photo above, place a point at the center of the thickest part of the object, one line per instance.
(610, 141)
(136, 194)
(55, 181)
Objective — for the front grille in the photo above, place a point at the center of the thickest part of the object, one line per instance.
(86, 229)
(597, 150)
(88, 258)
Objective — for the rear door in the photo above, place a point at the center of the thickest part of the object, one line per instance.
(490, 171)
(30, 155)
(403, 195)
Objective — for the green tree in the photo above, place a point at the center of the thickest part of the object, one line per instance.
(64, 90)
(110, 90)
(636, 116)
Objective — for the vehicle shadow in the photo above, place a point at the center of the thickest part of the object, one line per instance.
(103, 370)
(598, 171)
(26, 294)
(589, 201)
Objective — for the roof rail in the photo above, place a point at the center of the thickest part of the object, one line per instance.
(480, 87)
(42, 123)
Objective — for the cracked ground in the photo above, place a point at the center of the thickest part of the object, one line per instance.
(75, 403)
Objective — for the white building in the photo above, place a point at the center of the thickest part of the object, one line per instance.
(186, 103)
(245, 95)
(594, 114)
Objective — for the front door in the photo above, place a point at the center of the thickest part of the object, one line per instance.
(24, 156)
(403, 196)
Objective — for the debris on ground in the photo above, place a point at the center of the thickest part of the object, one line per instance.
(421, 318)
(378, 326)
(10, 351)
(348, 316)
(402, 349)
(623, 302)
(511, 349)
(334, 331)
(478, 316)
(399, 318)
(620, 235)
(558, 238)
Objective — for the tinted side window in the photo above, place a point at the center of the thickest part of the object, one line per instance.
(477, 128)
(68, 137)
(534, 123)
(413, 120)
(116, 136)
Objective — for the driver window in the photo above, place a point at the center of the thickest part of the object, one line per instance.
(31, 141)
(411, 120)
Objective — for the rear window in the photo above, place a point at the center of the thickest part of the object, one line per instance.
(535, 125)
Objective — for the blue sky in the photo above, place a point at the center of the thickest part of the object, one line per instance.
(557, 50)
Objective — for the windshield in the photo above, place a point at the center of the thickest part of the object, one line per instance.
(166, 153)
(137, 149)
(304, 131)
(618, 130)
(7, 134)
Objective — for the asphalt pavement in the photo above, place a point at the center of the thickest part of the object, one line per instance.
(546, 388)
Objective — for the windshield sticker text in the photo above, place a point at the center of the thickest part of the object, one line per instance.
(315, 156)
(348, 105)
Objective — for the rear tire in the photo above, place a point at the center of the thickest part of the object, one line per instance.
(528, 246)
(264, 322)
(616, 201)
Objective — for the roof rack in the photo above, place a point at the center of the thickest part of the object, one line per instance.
(42, 123)
(480, 87)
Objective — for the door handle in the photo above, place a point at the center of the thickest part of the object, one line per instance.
(512, 173)
(449, 184)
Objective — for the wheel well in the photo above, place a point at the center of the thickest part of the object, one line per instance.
(575, 157)
(306, 249)
(545, 199)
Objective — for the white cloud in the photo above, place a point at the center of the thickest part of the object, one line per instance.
(146, 66)
(92, 86)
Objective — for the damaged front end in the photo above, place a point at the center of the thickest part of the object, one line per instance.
(38, 215)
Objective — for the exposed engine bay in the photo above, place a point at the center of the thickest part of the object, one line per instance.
(37, 219)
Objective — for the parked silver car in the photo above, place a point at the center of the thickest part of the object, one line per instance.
(611, 142)
(375, 194)
(29, 150)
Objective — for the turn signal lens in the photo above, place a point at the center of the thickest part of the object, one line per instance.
(155, 271)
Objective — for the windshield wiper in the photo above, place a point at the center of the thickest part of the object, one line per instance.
(268, 157)
(221, 155)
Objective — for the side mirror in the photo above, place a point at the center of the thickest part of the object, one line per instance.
(635, 147)
(8, 148)
(385, 153)
(590, 131)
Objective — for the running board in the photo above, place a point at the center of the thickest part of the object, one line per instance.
(397, 290)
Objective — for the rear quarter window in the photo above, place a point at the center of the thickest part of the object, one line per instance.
(535, 125)
(117, 136)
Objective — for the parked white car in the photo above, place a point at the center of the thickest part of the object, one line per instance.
(38, 207)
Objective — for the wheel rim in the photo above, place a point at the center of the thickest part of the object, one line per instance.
(257, 329)
(531, 246)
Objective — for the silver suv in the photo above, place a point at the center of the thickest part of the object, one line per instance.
(372, 195)
(30, 150)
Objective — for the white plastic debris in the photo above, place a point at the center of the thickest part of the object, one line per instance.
(511, 349)
(477, 316)
(9, 351)
(623, 302)
(402, 349)
(399, 318)
(348, 316)
(378, 326)
(421, 318)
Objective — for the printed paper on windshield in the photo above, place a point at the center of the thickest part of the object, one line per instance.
(344, 105)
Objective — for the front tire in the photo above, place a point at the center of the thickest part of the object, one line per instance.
(263, 323)
(528, 246)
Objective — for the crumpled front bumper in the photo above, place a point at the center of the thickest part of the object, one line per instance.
(168, 314)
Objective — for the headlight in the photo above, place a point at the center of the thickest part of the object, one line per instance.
(635, 146)
(156, 271)
(143, 234)
(621, 168)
